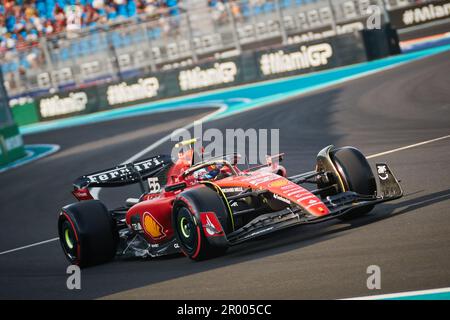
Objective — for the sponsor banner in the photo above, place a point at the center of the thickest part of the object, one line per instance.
(420, 14)
(11, 145)
(327, 32)
(311, 56)
(56, 106)
(250, 66)
(67, 104)
(209, 76)
(24, 111)
(132, 91)
(302, 57)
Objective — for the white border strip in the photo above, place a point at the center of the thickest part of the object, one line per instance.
(407, 147)
(402, 294)
(29, 246)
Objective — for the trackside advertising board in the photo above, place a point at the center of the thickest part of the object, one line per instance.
(11, 144)
(313, 56)
(67, 104)
(275, 62)
(24, 111)
(420, 14)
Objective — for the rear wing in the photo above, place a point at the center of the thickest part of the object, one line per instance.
(124, 174)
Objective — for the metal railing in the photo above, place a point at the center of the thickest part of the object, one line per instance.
(151, 44)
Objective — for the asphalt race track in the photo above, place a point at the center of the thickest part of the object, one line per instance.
(409, 239)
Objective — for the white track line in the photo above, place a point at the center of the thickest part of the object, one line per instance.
(29, 246)
(407, 147)
(162, 140)
(402, 294)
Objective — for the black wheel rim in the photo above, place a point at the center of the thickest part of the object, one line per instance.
(68, 240)
(186, 230)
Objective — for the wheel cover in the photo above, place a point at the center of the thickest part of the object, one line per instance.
(68, 240)
(186, 229)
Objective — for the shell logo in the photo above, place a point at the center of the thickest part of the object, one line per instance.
(152, 227)
(279, 183)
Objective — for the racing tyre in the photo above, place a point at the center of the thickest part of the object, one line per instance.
(87, 233)
(195, 211)
(356, 175)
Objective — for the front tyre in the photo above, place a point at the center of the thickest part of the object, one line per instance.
(200, 222)
(356, 175)
(87, 233)
(187, 231)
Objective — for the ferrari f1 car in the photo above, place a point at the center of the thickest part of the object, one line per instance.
(203, 207)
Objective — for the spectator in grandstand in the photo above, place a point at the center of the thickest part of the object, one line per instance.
(22, 22)
(98, 4)
(3, 30)
(60, 19)
(91, 16)
(49, 27)
(120, 8)
(236, 10)
(74, 14)
(219, 12)
(148, 7)
(9, 41)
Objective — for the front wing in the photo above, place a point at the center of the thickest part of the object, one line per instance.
(339, 205)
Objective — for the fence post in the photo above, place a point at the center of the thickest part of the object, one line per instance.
(48, 61)
(281, 21)
(233, 27)
(385, 11)
(333, 17)
(191, 37)
(149, 40)
(114, 60)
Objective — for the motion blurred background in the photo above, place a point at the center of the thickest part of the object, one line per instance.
(49, 46)
(62, 58)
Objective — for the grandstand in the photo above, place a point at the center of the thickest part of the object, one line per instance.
(50, 45)
(25, 21)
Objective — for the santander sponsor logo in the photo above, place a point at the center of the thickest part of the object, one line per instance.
(283, 188)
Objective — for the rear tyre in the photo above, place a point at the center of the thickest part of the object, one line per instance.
(356, 175)
(87, 233)
(188, 227)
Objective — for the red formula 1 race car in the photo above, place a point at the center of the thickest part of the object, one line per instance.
(202, 208)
